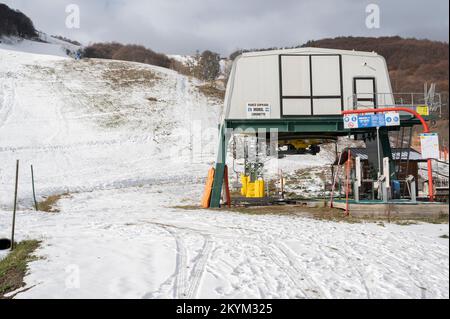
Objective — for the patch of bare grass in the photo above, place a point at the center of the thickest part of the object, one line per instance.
(212, 91)
(323, 212)
(123, 76)
(50, 203)
(13, 267)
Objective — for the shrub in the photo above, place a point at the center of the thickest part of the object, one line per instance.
(15, 23)
(208, 67)
(138, 53)
(102, 50)
(133, 53)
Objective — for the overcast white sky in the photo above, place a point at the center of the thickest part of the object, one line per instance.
(183, 26)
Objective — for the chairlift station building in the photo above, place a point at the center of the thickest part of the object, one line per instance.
(302, 93)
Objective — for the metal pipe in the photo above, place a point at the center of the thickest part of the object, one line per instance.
(347, 184)
(335, 177)
(15, 206)
(409, 151)
(378, 151)
(399, 169)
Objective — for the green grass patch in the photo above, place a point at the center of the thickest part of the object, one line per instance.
(50, 203)
(212, 91)
(121, 76)
(13, 267)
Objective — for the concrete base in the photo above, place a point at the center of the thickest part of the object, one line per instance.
(396, 209)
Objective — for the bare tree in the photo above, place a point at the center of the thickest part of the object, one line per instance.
(208, 67)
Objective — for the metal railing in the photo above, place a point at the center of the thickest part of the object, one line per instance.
(386, 100)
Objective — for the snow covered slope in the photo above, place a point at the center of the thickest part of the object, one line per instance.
(117, 121)
(118, 138)
(48, 46)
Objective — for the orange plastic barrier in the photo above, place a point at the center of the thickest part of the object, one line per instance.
(208, 188)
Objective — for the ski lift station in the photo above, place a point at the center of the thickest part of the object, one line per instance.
(303, 83)
(309, 96)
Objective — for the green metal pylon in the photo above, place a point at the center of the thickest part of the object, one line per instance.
(216, 193)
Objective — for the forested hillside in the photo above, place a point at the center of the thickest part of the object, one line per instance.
(411, 62)
(15, 23)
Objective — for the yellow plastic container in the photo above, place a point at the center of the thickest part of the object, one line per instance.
(244, 182)
(260, 188)
(252, 189)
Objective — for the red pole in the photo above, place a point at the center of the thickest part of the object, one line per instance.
(426, 129)
(227, 187)
(334, 186)
(347, 190)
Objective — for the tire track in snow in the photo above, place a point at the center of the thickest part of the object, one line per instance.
(63, 129)
(60, 120)
(296, 273)
(199, 268)
(74, 146)
(181, 269)
(354, 267)
(182, 288)
(8, 103)
(415, 276)
(180, 284)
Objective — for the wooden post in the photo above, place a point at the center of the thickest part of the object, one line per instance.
(15, 206)
(34, 193)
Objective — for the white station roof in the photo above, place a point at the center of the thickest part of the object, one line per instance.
(309, 50)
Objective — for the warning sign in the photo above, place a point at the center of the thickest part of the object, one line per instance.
(371, 120)
(392, 119)
(258, 110)
(429, 143)
(351, 121)
(423, 110)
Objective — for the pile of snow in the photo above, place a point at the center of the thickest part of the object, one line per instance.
(225, 68)
(186, 60)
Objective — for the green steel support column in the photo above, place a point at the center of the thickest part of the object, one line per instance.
(387, 151)
(220, 168)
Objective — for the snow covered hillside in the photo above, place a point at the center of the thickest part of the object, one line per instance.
(120, 122)
(47, 45)
(120, 140)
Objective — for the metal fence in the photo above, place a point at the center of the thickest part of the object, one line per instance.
(386, 100)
